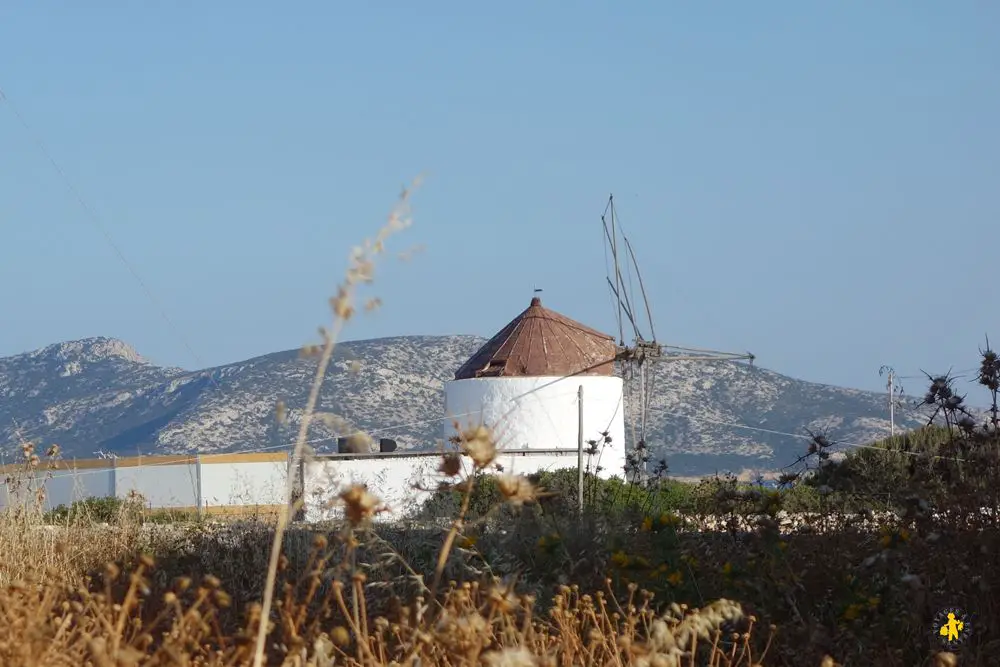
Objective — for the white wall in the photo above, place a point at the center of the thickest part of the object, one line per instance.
(541, 412)
(215, 481)
(228, 481)
(172, 485)
(393, 478)
(64, 485)
(243, 483)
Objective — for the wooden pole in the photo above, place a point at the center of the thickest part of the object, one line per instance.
(579, 451)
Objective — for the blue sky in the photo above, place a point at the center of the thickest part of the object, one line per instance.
(814, 182)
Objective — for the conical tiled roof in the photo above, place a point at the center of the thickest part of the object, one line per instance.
(541, 342)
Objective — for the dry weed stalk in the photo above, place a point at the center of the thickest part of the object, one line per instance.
(360, 271)
(122, 622)
(332, 603)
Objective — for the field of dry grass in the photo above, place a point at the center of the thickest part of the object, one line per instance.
(550, 589)
(517, 577)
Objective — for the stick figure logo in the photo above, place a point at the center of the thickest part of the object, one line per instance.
(952, 626)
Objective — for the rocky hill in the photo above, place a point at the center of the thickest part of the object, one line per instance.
(99, 395)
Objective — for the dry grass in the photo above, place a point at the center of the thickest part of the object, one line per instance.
(523, 583)
(99, 599)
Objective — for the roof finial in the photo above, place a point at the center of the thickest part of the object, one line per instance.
(535, 300)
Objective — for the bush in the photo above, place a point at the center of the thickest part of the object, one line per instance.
(95, 510)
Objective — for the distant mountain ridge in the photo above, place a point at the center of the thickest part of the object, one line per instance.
(100, 395)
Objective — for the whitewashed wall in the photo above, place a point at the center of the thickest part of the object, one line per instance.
(254, 479)
(162, 482)
(538, 412)
(194, 483)
(391, 478)
(93, 479)
(404, 482)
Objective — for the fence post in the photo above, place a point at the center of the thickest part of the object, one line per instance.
(297, 478)
(579, 451)
(200, 498)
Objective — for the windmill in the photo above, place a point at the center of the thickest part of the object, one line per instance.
(633, 357)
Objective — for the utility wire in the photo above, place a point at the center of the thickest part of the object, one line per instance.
(395, 427)
(102, 229)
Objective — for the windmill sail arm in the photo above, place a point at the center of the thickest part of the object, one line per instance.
(642, 287)
(703, 350)
(609, 241)
(682, 348)
(625, 306)
(722, 356)
(624, 303)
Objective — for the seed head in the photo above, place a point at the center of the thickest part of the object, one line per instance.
(359, 505)
(517, 489)
(340, 636)
(451, 465)
(478, 444)
(510, 657)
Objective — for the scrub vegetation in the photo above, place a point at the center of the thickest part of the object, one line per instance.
(849, 561)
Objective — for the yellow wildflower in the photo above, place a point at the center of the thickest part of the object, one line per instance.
(675, 578)
(852, 612)
(647, 525)
(620, 558)
(892, 537)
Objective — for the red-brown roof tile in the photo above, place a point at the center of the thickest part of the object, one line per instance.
(541, 342)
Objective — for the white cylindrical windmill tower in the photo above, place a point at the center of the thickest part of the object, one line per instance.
(524, 384)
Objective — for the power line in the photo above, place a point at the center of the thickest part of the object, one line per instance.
(102, 229)
(891, 386)
(747, 427)
(395, 427)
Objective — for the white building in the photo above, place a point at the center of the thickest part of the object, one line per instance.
(524, 384)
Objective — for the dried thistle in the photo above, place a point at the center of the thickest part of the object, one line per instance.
(359, 504)
(517, 489)
(451, 465)
(478, 444)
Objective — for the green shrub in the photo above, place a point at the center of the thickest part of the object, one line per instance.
(95, 510)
